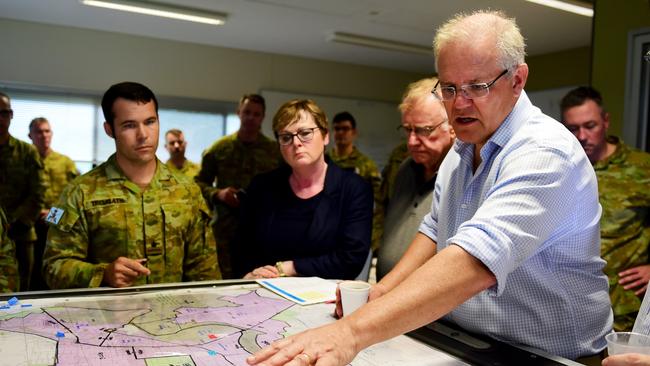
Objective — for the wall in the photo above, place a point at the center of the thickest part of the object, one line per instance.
(86, 60)
(614, 19)
(559, 69)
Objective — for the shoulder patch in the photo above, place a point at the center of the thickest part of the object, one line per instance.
(54, 216)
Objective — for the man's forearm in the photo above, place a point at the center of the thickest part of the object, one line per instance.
(421, 249)
(445, 281)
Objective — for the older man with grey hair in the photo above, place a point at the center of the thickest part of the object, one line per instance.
(429, 137)
(510, 248)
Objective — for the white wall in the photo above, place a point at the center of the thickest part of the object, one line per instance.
(87, 60)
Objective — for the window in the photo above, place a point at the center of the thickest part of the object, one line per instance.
(77, 124)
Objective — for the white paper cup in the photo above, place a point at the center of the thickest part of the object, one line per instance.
(353, 295)
(627, 342)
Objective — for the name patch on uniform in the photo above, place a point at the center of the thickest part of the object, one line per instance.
(107, 201)
(54, 216)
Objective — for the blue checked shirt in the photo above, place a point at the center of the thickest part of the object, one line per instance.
(530, 213)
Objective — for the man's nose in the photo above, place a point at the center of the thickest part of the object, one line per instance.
(141, 132)
(582, 134)
(461, 101)
(412, 139)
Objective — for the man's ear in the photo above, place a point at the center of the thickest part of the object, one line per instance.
(519, 77)
(606, 120)
(108, 129)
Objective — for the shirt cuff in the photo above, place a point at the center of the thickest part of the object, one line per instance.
(98, 275)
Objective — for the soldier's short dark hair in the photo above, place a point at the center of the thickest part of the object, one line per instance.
(4, 95)
(253, 98)
(128, 90)
(174, 131)
(580, 96)
(37, 121)
(344, 116)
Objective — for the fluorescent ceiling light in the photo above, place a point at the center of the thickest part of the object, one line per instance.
(383, 44)
(573, 8)
(161, 10)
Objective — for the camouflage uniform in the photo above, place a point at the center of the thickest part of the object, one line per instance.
(388, 174)
(189, 168)
(102, 216)
(9, 277)
(230, 162)
(21, 197)
(367, 169)
(59, 171)
(624, 190)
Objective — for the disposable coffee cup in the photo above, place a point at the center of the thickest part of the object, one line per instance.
(627, 342)
(353, 295)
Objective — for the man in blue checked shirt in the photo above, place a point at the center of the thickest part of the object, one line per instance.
(511, 248)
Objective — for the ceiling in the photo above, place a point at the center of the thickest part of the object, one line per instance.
(301, 27)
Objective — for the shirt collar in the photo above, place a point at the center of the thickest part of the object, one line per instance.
(113, 172)
(619, 156)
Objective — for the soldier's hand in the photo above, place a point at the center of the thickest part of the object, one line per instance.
(124, 271)
(635, 278)
(228, 196)
(263, 272)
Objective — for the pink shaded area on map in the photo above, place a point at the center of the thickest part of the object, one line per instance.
(80, 345)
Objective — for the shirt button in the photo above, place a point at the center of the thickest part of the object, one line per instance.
(463, 206)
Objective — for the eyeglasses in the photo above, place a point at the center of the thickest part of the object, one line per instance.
(6, 113)
(423, 132)
(303, 134)
(469, 91)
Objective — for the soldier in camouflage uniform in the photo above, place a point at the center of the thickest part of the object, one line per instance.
(9, 278)
(21, 191)
(176, 144)
(228, 167)
(129, 221)
(59, 171)
(347, 156)
(623, 180)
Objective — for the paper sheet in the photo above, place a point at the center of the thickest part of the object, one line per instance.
(302, 290)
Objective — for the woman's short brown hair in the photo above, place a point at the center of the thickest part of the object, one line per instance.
(289, 113)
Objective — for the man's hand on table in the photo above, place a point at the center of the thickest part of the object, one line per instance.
(329, 345)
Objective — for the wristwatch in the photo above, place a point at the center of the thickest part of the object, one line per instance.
(278, 265)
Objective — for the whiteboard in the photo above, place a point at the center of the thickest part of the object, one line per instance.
(376, 121)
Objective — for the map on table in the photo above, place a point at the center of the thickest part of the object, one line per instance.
(181, 327)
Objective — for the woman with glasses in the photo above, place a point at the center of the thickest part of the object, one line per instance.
(308, 217)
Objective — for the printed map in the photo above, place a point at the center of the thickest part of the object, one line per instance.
(187, 327)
